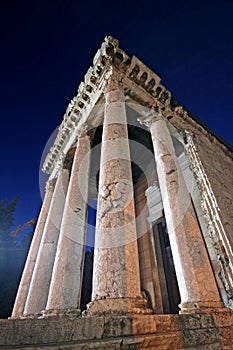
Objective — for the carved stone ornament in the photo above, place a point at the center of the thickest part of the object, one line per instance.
(113, 81)
(50, 184)
(82, 131)
(150, 117)
(113, 70)
(179, 110)
(211, 210)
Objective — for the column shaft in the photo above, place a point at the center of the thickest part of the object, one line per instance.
(65, 286)
(197, 285)
(32, 254)
(116, 280)
(39, 286)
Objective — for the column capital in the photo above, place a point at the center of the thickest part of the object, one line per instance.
(83, 130)
(151, 116)
(50, 184)
(60, 161)
(113, 82)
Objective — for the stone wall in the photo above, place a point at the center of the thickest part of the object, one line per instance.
(122, 332)
(217, 162)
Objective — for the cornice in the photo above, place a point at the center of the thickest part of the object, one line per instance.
(140, 83)
(78, 105)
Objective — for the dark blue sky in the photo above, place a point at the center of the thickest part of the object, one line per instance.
(47, 46)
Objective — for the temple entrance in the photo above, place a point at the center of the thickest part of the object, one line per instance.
(166, 270)
(89, 255)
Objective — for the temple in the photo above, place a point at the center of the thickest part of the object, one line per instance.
(141, 186)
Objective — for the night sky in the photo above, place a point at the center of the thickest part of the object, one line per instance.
(48, 45)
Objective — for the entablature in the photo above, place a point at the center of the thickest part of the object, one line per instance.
(140, 84)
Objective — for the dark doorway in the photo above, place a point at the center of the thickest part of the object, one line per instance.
(89, 255)
(166, 270)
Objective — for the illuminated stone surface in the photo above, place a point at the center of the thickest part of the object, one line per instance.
(177, 198)
(119, 332)
(197, 286)
(42, 273)
(32, 255)
(67, 272)
(116, 265)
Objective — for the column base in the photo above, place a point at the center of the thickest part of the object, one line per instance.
(30, 316)
(117, 306)
(69, 312)
(201, 307)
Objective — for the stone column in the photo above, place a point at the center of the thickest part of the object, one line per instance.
(196, 281)
(116, 280)
(32, 254)
(65, 288)
(39, 286)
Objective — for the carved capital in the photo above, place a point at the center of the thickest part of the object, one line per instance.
(188, 139)
(61, 160)
(113, 81)
(150, 117)
(50, 184)
(82, 131)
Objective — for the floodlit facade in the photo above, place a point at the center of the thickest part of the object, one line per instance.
(142, 187)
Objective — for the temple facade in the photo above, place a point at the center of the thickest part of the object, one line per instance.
(142, 187)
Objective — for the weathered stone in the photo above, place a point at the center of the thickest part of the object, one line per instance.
(68, 265)
(119, 316)
(116, 268)
(41, 277)
(195, 278)
(32, 255)
(114, 332)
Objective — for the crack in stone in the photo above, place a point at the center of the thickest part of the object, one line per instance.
(114, 195)
(170, 172)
